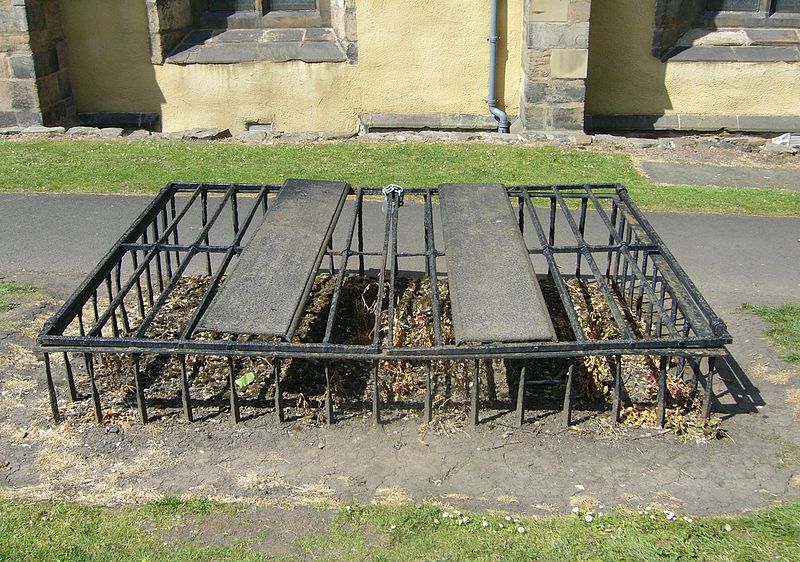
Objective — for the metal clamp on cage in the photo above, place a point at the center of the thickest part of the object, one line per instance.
(387, 193)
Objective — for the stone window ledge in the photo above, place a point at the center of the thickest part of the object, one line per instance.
(737, 45)
(206, 46)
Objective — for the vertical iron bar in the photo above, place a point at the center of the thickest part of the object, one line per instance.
(167, 256)
(428, 412)
(624, 284)
(98, 410)
(174, 230)
(139, 297)
(137, 377)
(203, 222)
(126, 325)
(328, 397)
(430, 251)
(709, 395)
(185, 397)
(662, 391)
(521, 213)
(582, 229)
(620, 235)
(520, 415)
(113, 310)
(615, 409)
(360, 206)
(159, 271)
(376, 338)
(278, 390)
(51, 389)
(73, 391)
(235, 211)
(611, 237)
(569, 396)
(95, 309)
(640, 297)
(552, 235)
(331, 265)
(234, 398)
(81, 328)
(394, 219)
(376, 395)
(474, 398)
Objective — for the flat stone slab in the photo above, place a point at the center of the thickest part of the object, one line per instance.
(267, 289)
(494, 293)
(722, 176)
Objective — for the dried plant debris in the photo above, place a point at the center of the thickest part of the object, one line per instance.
(402, 384)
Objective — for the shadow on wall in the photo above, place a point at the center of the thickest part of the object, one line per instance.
(103, 37)
(624, 77)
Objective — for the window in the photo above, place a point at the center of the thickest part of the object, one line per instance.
(760, 13)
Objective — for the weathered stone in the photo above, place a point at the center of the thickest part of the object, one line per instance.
(537, 64)
(41, 130)
(206, 134)
(301, 137)
(111, 132)
(22, 67)
(569, 63)
(773, 148)
(83, 131)
(336, 135)
(10, 130)
(568, 118)
(546, 35)
(548, 10)
(136, 134)
(580, 10)
(320, 34)
(583, 140)
(251, 136)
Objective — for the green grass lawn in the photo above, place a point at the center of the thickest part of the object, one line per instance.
(90, 166)
(784, 327)
(69, 532)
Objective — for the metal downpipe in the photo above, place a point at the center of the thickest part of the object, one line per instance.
(502, 117)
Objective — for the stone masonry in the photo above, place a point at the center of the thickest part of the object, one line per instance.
(34, 81)
(555, 57)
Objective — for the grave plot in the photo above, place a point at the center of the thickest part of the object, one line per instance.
(312, 300)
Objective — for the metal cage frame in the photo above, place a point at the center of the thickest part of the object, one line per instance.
(145, 264)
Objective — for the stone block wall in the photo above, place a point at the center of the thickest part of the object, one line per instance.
(555, 60)
(34, 79)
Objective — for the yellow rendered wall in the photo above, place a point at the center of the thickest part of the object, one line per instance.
(625, 79)
(414, 56)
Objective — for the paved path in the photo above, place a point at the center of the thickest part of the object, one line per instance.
(722, 176)
(753, 258)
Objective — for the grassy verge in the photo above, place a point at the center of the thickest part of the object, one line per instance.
(31, 531)
(143, 167)
(784, 327)
(12, 293)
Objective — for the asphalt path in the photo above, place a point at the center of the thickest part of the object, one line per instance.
(730, 258)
